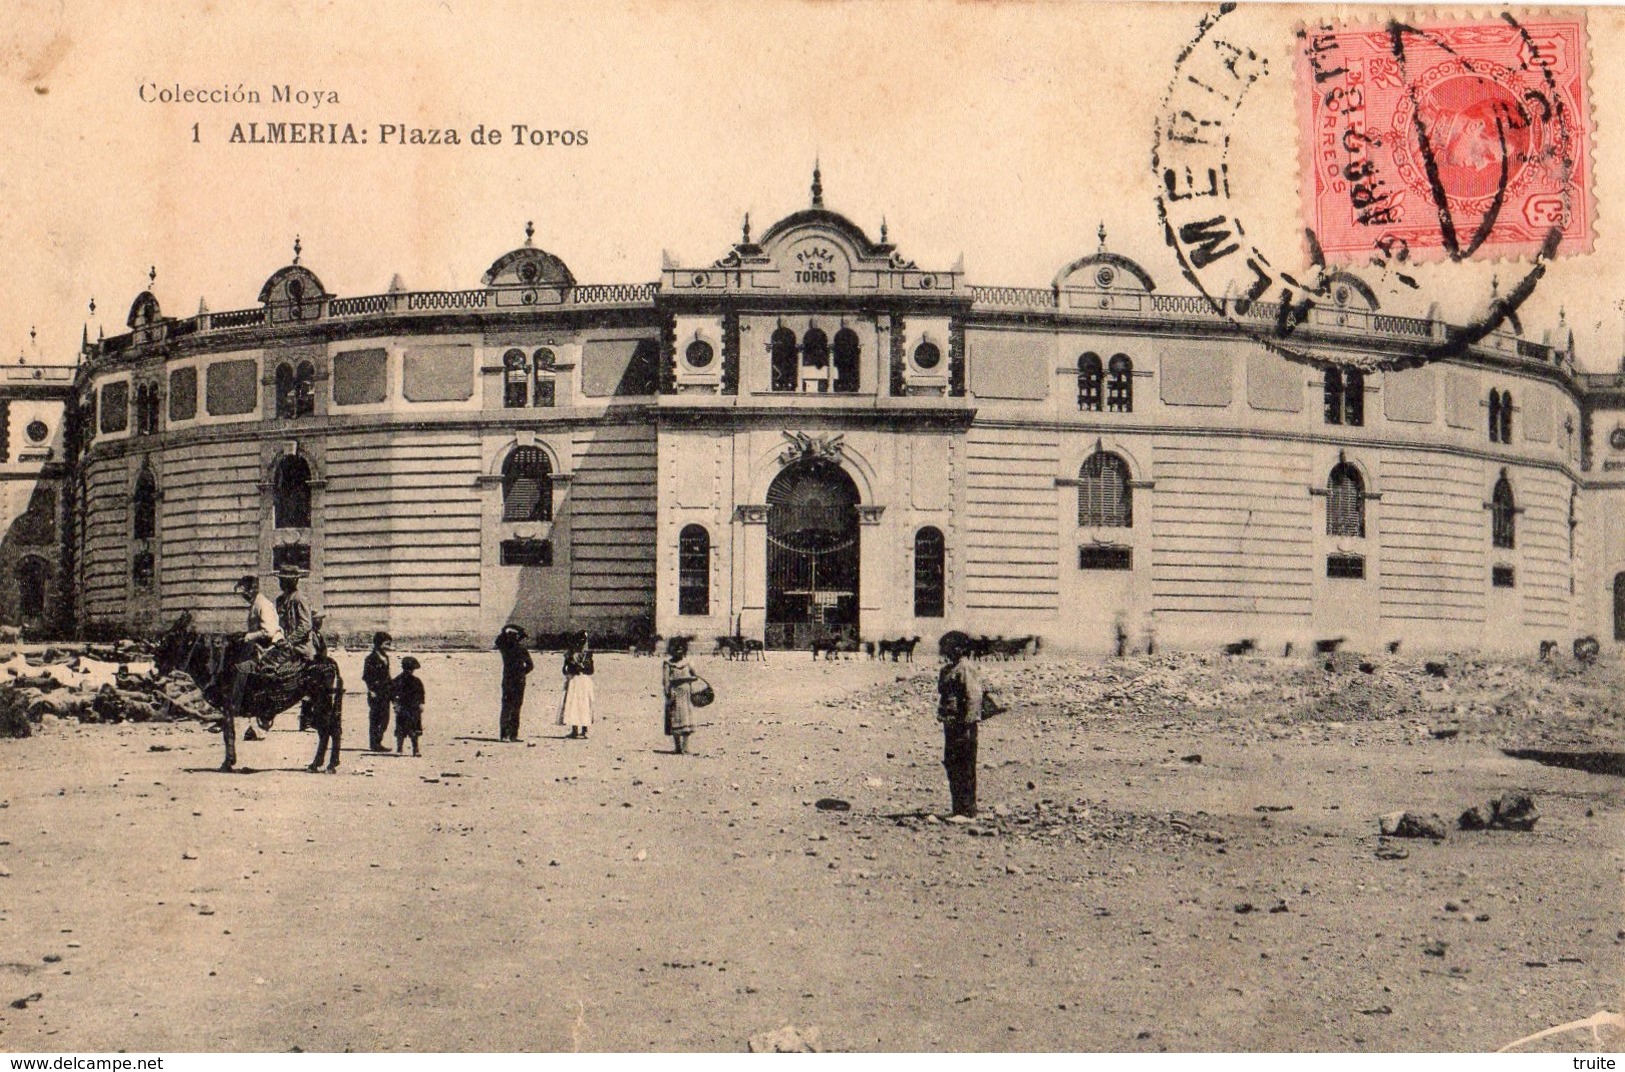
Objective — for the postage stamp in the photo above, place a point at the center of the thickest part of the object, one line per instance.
(1446, 140)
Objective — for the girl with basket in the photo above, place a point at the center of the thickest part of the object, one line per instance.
(684, 690)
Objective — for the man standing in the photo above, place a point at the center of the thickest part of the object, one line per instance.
(959, 709)
(376, 676)
(516, 665)
(264, 635)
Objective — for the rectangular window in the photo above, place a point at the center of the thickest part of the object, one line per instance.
(544, 392)
(115, 407)
(527, 552)
(231, 388)
(1097, 557)
(1502, 577)
(1348, 567)
(291, 554)
(142, 569)
(183, 394)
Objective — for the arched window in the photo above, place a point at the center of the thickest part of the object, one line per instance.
(542, 395)
(847, 349)
(815, 357)
(1120, 385)
(1091, 377)
(1495, 415)
(930, 573)
(784, 360)
(1104, 497)
(694, 570)
(291, 488)
(1503, 515)
(144, 506)
(1506, 416)
(527, 486)
(515, 380)
(286, 394)
(304, 390)
(1574, 521)
(1345, 502)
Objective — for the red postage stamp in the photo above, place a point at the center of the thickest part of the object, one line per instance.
(1446, 140)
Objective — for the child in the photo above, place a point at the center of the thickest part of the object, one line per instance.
(677, 678)
(576, 710)
(516, 663)
(407, 692)
(375, 675)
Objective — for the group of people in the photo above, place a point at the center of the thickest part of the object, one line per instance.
(284, 637)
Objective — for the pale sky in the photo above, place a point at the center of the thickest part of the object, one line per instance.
(1003, 132)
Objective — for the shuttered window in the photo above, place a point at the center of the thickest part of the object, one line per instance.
(930, 574)
(1345, 502)
(1103, 493)
(1091, 375)
(527, 486)
(694, 571)
(1503, 516)
(1120, 385)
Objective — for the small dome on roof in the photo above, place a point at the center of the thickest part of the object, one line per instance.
(293, 285)
(528, 266)
(143, 311)
(1101, 270)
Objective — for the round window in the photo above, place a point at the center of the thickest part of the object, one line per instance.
(1342, 295)
(296, 291)
(1105, 276)
(927, 356)
(1616, 439)
(699, 354)
(37, 431)
(528, 272)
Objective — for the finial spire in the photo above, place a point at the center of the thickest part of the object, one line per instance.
(1100, 232)
(882, 230)
(530, 232)
(1562, 316)
(744, 231)
(817, 185)
(297, 249)
(33, 335)
(93, 306)
(152, 275)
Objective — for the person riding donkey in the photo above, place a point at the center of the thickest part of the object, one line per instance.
(276, 647)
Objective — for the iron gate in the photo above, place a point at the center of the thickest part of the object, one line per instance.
(812, 556)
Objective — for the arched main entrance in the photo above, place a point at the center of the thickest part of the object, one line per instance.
(812, 555)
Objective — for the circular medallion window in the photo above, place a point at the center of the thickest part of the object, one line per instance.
(296, 291)
(700, 279)
(699, 354)
(927, 356)
(37, 431)
(1105, 276)
(528, 272)
(1341, 294)
(1616, 439)
(927, 282)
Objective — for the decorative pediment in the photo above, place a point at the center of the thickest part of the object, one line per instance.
(806, 448)
(814, 251)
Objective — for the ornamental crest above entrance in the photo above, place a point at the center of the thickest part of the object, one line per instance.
(807, 448)
(812, 252)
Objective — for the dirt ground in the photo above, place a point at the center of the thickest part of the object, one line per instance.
(608, 895)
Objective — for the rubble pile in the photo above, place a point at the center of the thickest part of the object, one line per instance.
(1080, 820)
(1509, 700)
(69, 685)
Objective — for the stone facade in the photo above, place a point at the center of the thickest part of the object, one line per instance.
(814, 435)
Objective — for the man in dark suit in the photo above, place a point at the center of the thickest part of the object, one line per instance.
(376, 676)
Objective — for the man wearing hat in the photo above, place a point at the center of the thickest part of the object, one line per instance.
(376, 676)
(959, 709)
(262, 640)
(516, 665)
(294, 615)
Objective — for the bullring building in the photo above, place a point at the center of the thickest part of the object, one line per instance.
(814, 435)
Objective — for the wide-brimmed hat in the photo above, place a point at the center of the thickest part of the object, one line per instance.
(291, 573)
(516, 630)
(410, 663)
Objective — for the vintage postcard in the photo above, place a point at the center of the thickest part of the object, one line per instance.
(854, 527)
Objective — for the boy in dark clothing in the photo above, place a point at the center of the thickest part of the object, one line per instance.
(327, 716)
(375, 675)
(959, 709)
(407, 692)
(516, 664)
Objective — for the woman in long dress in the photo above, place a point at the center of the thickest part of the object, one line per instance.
(677, 678)
(576, 710)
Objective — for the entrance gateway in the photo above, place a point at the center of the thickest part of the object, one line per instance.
(812, 556)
